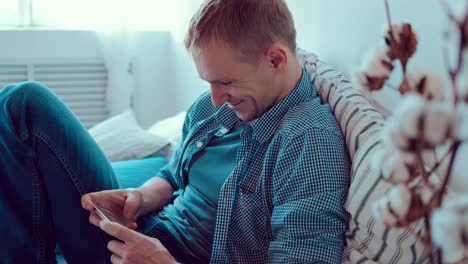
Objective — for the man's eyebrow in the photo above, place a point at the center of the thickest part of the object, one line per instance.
(221, 80)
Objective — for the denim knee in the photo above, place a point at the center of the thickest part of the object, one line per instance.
(29, 97)
(27, 89)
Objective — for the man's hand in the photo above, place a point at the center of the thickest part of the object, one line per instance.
(124, 204)
(135, 248)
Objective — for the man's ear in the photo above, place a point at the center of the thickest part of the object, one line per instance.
(277, 57)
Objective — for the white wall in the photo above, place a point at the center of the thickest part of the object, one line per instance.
(155, 87)
(342, 31)
(189, 86)
(52, 43)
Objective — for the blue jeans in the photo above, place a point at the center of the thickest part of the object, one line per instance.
(47, 162)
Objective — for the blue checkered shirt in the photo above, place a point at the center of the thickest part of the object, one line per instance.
(283, 203)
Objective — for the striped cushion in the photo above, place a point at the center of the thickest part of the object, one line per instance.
(367, 240)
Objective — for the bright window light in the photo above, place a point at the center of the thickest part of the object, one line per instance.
(104, 14)
(89, 14)
(8, 12)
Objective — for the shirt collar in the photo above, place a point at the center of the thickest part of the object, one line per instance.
(265, 126)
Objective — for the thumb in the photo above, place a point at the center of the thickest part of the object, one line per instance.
(132, 204)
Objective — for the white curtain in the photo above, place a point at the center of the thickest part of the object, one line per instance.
(116, 35)
(116, 46)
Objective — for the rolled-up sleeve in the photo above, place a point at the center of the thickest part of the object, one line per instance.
(311, 181)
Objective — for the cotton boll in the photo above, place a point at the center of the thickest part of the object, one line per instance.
(446, 228)
(459, 202)
(359, 78)
(426, 193)
(458, 8)
(439, 119)
(400, 200)
(430, 86)
(462, 83)
(381, 212)
(448, 225)
(397, 28)
(405, 44)
(461, 124)
(393, 137)
(459, 180)
(377, 63)
(395, 170)
(399, 207)
(409, 113)
(395, 165)
(435, 87)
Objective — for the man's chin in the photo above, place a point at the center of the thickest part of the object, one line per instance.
(245, 118)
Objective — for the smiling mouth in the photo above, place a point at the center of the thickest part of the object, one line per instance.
(235, 104)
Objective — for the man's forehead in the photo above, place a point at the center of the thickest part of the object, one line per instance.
(214, 63)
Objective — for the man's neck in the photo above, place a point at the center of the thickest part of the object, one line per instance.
(293, 78)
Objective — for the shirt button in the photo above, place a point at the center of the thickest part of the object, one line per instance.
(199, 144)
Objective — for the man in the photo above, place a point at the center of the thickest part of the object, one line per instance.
(260, 176)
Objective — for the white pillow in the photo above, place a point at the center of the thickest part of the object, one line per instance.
(169, 128)
(121, 138)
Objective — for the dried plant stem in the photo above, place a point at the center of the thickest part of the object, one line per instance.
(392, 35)
(427, 235)
(389, 21)
(443, 188)
(418, 236)
(439, 161)
(425, 174)
(427, 209)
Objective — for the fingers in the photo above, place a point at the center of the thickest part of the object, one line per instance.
(87, 202)
(118, 231)
(116, 259)
(132, 225)
(116, 247)
(94, 218)
(132, 204)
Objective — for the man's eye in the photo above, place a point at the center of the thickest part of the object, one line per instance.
(226, 83)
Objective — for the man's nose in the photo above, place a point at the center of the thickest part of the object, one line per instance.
(219, 95)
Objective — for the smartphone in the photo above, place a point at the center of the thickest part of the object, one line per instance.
(106, 214)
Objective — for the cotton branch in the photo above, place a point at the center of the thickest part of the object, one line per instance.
(462, 27)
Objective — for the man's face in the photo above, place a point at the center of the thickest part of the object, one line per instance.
(249, 89)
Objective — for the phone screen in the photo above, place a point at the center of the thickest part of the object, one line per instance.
(106, 214)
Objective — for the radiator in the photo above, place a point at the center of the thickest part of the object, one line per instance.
(80, 83)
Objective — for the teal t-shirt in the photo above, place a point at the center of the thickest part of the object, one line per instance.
(192, 215)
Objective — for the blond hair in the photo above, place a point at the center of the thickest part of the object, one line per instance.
(249, 26)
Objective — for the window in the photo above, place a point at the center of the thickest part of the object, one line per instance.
(9, 12)
(87, 14)
(66, 13)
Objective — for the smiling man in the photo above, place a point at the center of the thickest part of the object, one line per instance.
(261, 174)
